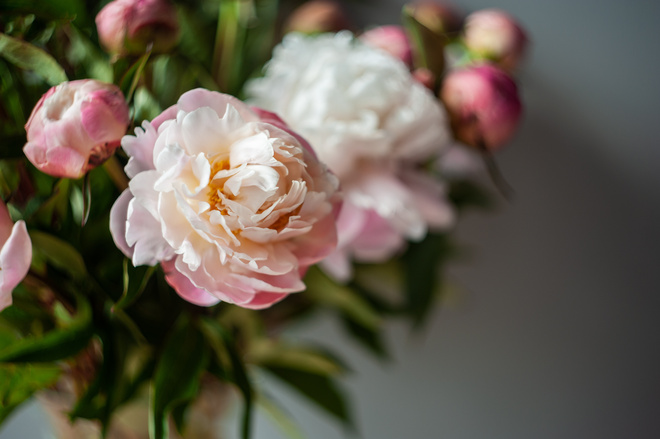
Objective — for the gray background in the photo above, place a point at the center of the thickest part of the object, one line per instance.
(555, 331)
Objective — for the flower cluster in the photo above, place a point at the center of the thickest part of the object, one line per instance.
(140, 192)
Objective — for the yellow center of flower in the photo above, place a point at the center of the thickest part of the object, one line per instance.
(216, 185)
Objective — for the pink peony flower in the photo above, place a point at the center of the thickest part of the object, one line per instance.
(75, 126)
(375, 127)
(483, 104)
(392, 39)
(15, 255)
(495, 35)
(233, 205)
(129, 26)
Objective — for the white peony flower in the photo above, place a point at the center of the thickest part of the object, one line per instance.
(232, 204)
(374, 126)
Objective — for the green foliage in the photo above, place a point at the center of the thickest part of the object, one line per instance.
(19, 382)
(28, 57)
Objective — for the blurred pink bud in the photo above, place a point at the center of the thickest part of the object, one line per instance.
(130, 26)
(392, 39)
(75, 127)
(15, 255)
(440, 18)
(483, 105)
(318, 16)
(495, 35)
(424, 77)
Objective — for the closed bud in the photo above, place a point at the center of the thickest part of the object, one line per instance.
(130, 27)
(496, 36)
(392, 39)
(76, 126)
(483, 105)
(317, 16)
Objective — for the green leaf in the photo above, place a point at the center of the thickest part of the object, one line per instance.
(136, 280)
(59, 253)
(268, 353)
(422, 264)
(69, 339)
(320, 389)
(19, 382)
(26, 56)
(280, 417)
(367, 337)
(51, 9)
(428, 46)
(178, 372)
(131, 78)
(325, 291)
(238, 376)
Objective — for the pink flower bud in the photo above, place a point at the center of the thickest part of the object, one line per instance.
(130, 26)
(15, 255)
(318, 16)
(440, 18)
(483, 105)
(76, 126)
(392, 39)
(497, 36)
(424, 77)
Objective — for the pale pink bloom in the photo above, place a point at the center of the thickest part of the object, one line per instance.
(495, 35)
(130, 26)
(375, 127)
(483, 103)
(233, 205)
(15, 255)
(392, 39)
(76, 126)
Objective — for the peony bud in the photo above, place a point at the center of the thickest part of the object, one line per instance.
(76, 126)
(392, 39)
(495, 35)
(15, 255)
(437, 17)
(483, 105)
(318, 16)
(128, 27)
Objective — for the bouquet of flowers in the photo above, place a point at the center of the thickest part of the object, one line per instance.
(181, 181)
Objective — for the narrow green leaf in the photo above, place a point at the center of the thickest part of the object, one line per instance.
(131, 78)
(87, 199)
(26, 56)
(422, 262)
(321, 390)
(19, 382)
(280, 417)
(325, 291)
(367, 337)
(59, 253)
(428, 46)
(136, 280)
(178, 372)
(56, 344)
(277, 354)
(238, 375)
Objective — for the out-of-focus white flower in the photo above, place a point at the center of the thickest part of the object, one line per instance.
(375, 126)
(15, 255)
(233, 205)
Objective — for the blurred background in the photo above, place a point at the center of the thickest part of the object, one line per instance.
(554, 330)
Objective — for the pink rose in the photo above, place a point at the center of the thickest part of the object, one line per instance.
(76, 126)
(129, 26)
(483, 105)
(232, 203)
(392, 39)
(15, 255)
(496, 36)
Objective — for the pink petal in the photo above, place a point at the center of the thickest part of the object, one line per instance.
(118, 217)
(15, 259)
(185, 288)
